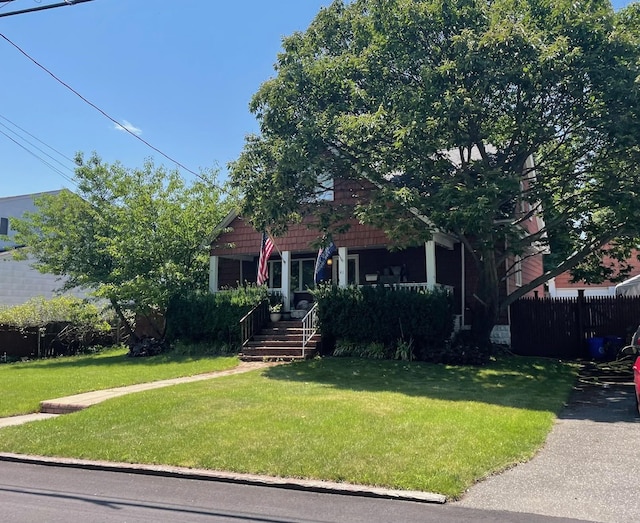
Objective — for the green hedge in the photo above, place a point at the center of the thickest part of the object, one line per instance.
(206, 317)
(40, 312)
(365, 315)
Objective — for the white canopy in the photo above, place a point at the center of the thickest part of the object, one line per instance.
(630, 287)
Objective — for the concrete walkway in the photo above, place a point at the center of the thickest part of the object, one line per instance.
(54, 407)
(588, 469)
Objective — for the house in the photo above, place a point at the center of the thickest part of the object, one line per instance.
(562, 285)
(18, 280)
(363, 257)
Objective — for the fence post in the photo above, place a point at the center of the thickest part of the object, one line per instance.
(581, 329)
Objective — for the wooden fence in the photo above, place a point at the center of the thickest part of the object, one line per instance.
(560, 327)
(47, 342)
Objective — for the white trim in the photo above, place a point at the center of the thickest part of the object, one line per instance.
(430, 261)
(286, 280)
(214, 267)
(444, 240)
(517, 266)
(343, 267)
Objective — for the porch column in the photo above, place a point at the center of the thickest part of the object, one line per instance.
(286, 280)
(213, 274)
(430, 257)
(343, 267)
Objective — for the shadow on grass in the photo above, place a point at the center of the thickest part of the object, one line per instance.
(528, 383)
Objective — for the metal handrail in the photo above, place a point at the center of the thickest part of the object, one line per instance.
(309, 326)
(253, 321)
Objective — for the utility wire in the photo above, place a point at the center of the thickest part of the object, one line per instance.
(52, 167)
(120, 126)
(36, 147)
(35, 138)
(42, 7)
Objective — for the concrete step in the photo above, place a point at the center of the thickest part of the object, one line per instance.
(276, 354)
(274, 351)
(244, 357)
(272, 340)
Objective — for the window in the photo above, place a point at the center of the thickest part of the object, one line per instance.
(325, 183)
(4, 226)
(275, 274)
(518, 271)
(302, 272)
(353, 277)
(353, 269)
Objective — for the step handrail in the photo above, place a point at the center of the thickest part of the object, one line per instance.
(309, 326)
(253, 321)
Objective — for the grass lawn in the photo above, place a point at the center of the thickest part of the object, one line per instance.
(24, 385)
(388, 423)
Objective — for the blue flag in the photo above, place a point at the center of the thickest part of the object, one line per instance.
(323, 255)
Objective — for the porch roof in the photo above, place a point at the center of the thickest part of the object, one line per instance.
(241, 238)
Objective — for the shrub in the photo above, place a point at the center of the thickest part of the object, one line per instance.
(404, 350)
(372, 350)
(64, 325)
(38, 312)
(215, 318)
(364, 315)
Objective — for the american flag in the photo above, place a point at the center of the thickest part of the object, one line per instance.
(265, 252)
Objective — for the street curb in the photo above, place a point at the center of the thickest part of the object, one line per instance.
(327, 487)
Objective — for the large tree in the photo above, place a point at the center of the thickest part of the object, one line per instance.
(136, 237)
(438, 104)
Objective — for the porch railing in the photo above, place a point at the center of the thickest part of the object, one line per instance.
(412, 286)
(309, 326)
(253, 321)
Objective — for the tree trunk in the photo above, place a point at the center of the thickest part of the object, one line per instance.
(127, 326)
(485, 311)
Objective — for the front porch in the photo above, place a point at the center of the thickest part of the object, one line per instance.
(291, 273)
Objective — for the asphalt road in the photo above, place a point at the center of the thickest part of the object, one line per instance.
(54, 494)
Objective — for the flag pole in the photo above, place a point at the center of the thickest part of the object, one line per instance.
(274, 242)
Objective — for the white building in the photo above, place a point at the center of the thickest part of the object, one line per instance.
(18, 280)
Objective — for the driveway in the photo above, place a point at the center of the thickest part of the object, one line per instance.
(589, 467)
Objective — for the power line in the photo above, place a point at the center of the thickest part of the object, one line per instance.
(120, 126)
(35, 138)
(52, 167)
(41, 8)
(36, 147)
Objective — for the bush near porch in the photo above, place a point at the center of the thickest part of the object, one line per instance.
(205, 317)
(388, 320)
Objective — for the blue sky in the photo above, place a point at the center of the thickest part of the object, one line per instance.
(180, 73)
